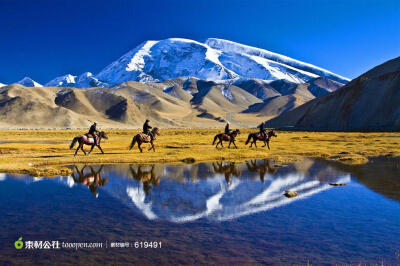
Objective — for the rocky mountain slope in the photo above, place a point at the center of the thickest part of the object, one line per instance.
(369, 102)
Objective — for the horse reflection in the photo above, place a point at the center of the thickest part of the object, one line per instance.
(262, 169)
(228, 170)
(92, 180)
(147, 177)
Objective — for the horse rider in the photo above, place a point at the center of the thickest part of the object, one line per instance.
(92, 131)
(146, 128)
(228, 131)
(262, 129)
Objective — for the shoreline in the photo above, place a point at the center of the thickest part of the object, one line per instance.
(47, 153)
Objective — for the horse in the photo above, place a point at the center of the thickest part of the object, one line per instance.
(85, 140)
(225, 137)
(143, 138)
(260, 136)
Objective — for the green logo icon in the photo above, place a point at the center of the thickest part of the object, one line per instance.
(19, 244)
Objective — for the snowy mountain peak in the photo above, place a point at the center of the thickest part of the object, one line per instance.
(216, 59)
(62, 81)
(165, 59)
(264, 56)
(28, 82)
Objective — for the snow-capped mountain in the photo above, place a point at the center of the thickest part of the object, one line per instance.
(215, 59)
(28, 82)
(85, 80)
(277, 65)
(63, 81)
(2, 84)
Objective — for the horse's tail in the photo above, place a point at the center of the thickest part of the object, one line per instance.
(73, 142)
(132, 143)
(215, 139)
(248, 139)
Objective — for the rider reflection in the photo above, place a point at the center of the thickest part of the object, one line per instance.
(262, 168)
(228, 170)
(92, 180)
(147, 177)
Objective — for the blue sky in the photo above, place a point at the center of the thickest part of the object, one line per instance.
(44, 39)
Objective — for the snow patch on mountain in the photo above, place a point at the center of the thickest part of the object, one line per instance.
(62, 81)
(28, 82)
(2, 84)
(241, 49)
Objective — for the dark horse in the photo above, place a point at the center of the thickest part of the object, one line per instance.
(259, 136)
(143, 138)
(86, 140)
(225, 137)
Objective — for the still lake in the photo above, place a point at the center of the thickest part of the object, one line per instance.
(207, 213)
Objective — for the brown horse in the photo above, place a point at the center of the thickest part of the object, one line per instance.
(225, 137)
(143, 138)
(260, 136)
(86, 140)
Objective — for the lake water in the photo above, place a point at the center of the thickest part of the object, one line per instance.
(206, 213)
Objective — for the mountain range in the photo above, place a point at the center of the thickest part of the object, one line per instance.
(215, 60)
(175, 83)
(185, 83)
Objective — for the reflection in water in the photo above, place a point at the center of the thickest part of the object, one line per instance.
(216, 191)
(262, 168)
(228, 170)
(92, 180)
(147, 177)
(355, 224)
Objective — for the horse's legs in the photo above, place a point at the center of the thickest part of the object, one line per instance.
(76, 151)
(152, 146)
(140, 148)
(102, 152)
(218, 142)
(83, 149)
(255, 143)
(268, 145)
(229, 146)
(91, 149)
(234, 144)
(264, 143)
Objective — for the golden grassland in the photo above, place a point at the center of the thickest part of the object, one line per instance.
(46, 152)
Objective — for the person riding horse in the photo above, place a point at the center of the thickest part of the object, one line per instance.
(262, 129)
(92, 132)
(146, 129)
(228, 131)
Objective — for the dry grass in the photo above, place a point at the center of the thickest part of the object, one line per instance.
(25, 151)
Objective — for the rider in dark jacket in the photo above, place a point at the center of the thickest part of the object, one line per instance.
(147, 127)
(227, 130)
(92, 131)
(262, 129)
